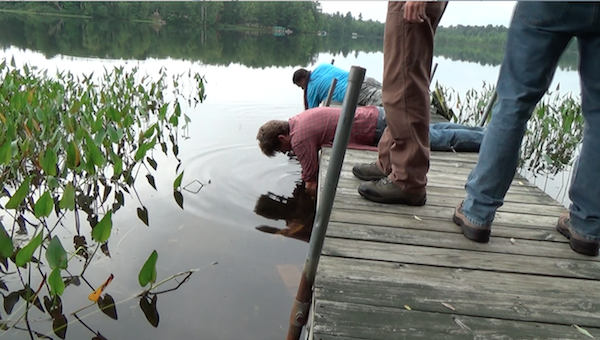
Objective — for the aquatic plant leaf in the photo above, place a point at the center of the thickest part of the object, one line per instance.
(174, 120)
(43, 206)
(143, 148)
(178, 198)
(57, 285)
(19, 195)
(73, 155)
(118, 162)
(148, 272)
(107, 306)
(10, 301)
(162, 113)
(104, 249)
(143, 215)
(101, 232)
(152, 163)
(68, 199)
(149, 308)
(6, 244)
(49, 162)
(150, 131)
(95, 296)
(24, 255)
(94, 151)
(6, 152)
(99, 337)
(53, 306)
(151, 180)
(177, 182)
(59, 326)
(107, 191)
(56, 254)
(72, 280)
(112, 133)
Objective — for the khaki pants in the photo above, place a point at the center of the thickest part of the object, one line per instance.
(407, 57)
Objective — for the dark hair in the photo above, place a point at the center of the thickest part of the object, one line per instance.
(268, 135)
(299, 75)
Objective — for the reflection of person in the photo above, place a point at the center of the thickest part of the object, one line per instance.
(298, 212)
(404, 147)
(316, 85)
(538, 35)
(305, 134)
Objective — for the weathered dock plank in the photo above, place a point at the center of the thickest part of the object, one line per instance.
(399, 272)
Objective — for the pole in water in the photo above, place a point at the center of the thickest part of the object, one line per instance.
(328, 187)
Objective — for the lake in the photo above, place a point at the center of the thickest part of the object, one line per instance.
(249, 293)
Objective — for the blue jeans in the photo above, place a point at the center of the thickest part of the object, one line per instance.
(443, 136)
(538, 34)
(455, 137)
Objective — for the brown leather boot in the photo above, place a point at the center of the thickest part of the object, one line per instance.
(471, 231)
(577, 242)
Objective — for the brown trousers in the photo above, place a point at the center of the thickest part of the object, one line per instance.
(407, 57)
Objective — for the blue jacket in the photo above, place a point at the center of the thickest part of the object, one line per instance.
(320, 81)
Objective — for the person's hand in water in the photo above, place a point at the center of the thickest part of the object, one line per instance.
(311, 188)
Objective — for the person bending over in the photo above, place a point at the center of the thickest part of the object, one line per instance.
(316, 85)
(306, 133)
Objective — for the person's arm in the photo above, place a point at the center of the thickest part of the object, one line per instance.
(309, 162)
(312, 102)
(305, 102)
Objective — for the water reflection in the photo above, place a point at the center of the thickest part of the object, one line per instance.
(128, 40)
(298, 212)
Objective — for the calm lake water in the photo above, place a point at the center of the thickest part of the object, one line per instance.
(249, 293)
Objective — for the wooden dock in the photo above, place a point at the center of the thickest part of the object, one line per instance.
(399, 272)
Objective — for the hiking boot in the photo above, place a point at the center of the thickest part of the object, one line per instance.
(385, 191)
(471, 231)
(577, 242)
(368, 171)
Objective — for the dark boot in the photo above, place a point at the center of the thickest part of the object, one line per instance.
(471, 231)
(368, 171)
(577, 242)
(385, 191)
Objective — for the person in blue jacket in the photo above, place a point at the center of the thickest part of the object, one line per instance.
(316, 85)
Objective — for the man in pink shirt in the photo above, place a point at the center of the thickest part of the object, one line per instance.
(305, 134)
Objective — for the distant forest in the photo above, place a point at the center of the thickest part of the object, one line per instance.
(300, 17)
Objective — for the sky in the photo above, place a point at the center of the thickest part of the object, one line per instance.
(474, 13)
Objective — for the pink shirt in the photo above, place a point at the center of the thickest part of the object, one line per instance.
(314, 128)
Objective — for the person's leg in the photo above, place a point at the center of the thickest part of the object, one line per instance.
(363, 93)
(585, 186)
(370, 93)
(455, 126)
(408, 53)
(531, 56)
(454, 137)
(381, 125)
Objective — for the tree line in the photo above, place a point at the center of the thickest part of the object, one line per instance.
(300, 17)
(485, 45)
